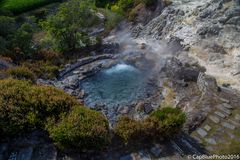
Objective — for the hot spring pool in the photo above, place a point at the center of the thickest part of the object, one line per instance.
(120, 85)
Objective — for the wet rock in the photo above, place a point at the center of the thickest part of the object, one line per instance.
(70, 67)
(214, 119)
(201, 132)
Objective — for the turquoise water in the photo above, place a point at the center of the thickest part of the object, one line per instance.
(120, 85)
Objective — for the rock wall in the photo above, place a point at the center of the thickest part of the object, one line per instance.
(208, 30)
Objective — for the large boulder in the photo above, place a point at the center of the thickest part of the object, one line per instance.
(176, 70)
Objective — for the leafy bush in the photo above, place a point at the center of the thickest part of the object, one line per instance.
(68, 26)
(24, 106)
(21, 73)
(81, 129)
(42, 69)
(165, 122)
(112, 19)
(128, 129)
(7, 25)
(15, 43)
(22, 39)
(161, 124)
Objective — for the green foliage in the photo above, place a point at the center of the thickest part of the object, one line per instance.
(7, 25)
(24, 106)
(43, 69)
(129, 7)
(161, 124)
(23, 40)
(15, 43)
(19, 6)
(112, 19)
(68, 26)
(128, 129)
(81, 129)
(123, 6)
(21, 73)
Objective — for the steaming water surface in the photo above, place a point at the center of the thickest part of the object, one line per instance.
(119, 85)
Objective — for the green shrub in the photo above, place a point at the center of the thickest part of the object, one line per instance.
(7, 25)
(167, 121)
(42, 69)
(67, 28)
(81, 129)
(161, 124)
(24, 106)
(21, 73)
(112, 19)
(129, 130)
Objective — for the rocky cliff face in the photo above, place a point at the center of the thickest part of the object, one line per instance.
(208, 30)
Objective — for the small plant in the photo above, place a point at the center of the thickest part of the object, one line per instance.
(42, 69)
(128, 129)
(81, 129)
(21, 73)
(25, 106)
(167, 121)
(161, 124)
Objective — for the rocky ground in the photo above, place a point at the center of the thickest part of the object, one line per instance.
(209, 31)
